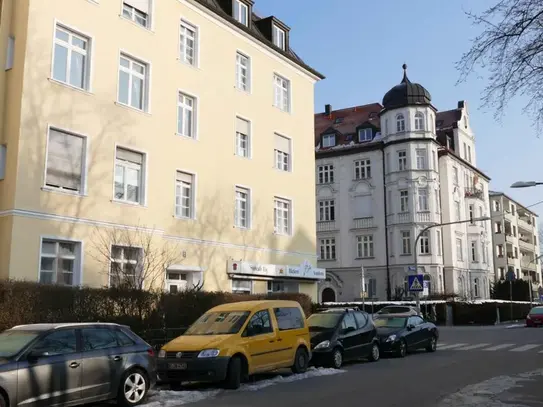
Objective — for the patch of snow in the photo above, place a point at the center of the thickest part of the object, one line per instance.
(515, 326)
(168, 398)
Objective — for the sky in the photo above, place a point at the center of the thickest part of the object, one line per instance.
(360, 47)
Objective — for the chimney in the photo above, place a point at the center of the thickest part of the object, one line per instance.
(327, 110)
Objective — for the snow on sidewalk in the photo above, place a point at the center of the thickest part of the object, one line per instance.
(167, 398)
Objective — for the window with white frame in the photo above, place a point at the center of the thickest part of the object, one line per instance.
(496, 206)
(438, 241)
(281, 93)
(327, 210)
(402, 160)
(279, 38)
(325, 174)
(186, 115)
(364, 246)
(423, 199)
(129, 167)
(60, 262)
(243, 137)
(243, 72)
(283, 287)
(421, 159)
(365, 135)
(424, 243)
(188, 43)
(474, 257)
(242, 218)
(242, 286)
(457, 210)
(499, 250)
(125, 268)
(455, 176)
(459, 255)
(241, 12)
(184, 195)
(406, 241)
(133, 83)
(404, 201)
(362, 169)
(419, 121)
(65, 161)
(469, 153)
(282, 216)
(328, 140)
(400, 123)
(471, 210)
(283, 153)
(328, 248)
(476, 287)
(138, 11)
(71, 58)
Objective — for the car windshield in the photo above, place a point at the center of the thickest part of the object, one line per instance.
(394, 310)
(397, 322)
(218, 323)
(537, 311)
(324, 320)
(12, 342)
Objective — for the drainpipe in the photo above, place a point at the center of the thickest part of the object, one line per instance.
(389, 288)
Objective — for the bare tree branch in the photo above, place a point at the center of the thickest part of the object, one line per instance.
(510, 48)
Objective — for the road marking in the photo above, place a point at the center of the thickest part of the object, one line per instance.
(498, 347)
(455, 345)
(479, 345)
(523, 348)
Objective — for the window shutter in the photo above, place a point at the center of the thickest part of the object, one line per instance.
(184, 177)
(362, 206)
(282, 144)
(131, 156)
(64, 160)
(242, 126)
(141, 5)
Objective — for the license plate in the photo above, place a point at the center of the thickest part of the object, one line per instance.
(177, 366)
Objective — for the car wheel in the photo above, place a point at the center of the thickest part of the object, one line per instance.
(337, 358)
(301, 361)
(133, 389)
(432, 346)
(402, 351)
(374, 355)
(233, 377)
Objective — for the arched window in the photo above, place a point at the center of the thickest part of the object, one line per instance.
(476, 287)
(419, 121)
(400, 123)
(460, 286)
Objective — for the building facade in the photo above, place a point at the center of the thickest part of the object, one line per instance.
(188, 123)
(515, 236)
(384, 173)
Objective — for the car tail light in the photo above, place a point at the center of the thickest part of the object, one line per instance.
(528, 316)
(151, 352)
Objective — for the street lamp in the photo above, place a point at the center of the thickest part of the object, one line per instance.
(423, 231)
(525, 184)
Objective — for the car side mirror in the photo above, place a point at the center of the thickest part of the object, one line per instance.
(348, 330)
(34, 355)
(410, 327)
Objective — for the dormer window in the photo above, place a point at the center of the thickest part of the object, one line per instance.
(241, 12)
(365, 135)
(279, 38)
(328, 140)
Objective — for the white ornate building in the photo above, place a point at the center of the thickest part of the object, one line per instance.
(386, 171)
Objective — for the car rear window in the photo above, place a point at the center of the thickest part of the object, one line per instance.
(123, 339)
(394, 310)
(537, 311)
(289, 318)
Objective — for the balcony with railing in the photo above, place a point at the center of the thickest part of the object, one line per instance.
(474, 193)
(526, 245)
(404, 217)
(526, 224)
(363, 223)
(327, 226)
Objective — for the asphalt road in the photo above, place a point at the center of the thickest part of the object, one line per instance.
(476, 366)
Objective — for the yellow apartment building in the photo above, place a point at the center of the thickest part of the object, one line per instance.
(168, 143)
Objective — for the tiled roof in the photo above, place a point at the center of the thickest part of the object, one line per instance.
(215, 6)
(346, 121)
(448, 119)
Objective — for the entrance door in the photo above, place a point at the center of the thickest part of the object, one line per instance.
(328, 295)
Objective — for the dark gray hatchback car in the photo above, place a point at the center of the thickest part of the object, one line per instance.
(72, 364)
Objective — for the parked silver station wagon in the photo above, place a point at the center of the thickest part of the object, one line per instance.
(72, 364)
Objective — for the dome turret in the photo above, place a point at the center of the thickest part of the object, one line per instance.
(406, 94)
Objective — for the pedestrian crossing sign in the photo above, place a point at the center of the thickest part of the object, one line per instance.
(416, 282)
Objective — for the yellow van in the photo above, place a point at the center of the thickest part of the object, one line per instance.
(232, 341)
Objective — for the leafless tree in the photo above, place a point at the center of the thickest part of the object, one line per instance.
(135, 258)
(510, 47)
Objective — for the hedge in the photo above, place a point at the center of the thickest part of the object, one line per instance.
(145, 312)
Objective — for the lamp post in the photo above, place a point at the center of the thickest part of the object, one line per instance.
(423, 231)
(525, 184)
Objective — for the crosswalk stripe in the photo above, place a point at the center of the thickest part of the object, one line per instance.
(523, 348)
(455, 345)
(498, 347)
(479, 345)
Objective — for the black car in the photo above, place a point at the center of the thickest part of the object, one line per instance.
(342, 334)
(401, 333)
